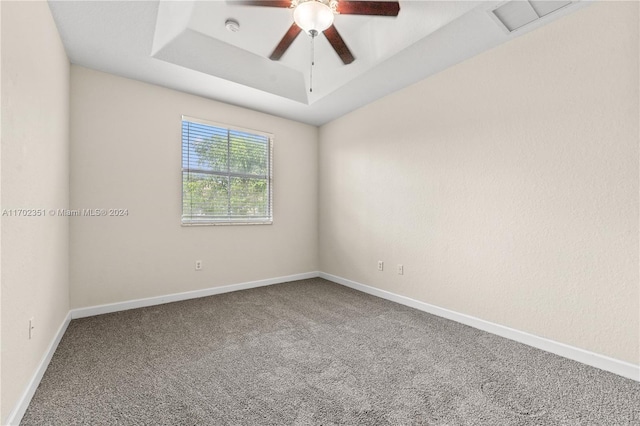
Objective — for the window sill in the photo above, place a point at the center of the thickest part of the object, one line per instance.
(263, 222)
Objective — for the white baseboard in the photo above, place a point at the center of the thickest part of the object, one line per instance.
(15, 416)
(602, 362)
(176, 297)
(23, 402)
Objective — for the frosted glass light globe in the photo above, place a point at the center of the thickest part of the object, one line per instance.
(313, 15)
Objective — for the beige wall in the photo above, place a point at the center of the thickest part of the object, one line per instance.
(1, 413)
(126, 153)
(35, 174)
(507, 185)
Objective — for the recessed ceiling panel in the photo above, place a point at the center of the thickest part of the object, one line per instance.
(545, 7)
(371, 39)
(199, 52)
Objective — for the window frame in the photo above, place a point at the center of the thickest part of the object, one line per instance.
(266, 220)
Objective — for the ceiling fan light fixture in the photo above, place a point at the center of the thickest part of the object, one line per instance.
(313, 15)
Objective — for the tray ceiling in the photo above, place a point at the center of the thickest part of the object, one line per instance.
(184, 45)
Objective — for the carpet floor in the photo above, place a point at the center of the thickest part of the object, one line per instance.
(312, 352)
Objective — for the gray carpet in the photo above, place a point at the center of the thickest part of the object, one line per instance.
(312, 353)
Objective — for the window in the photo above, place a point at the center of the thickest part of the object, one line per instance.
(226, 174)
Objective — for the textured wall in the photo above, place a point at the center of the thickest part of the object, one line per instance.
(1, 109)
(126, 153)
(507, 185)
(35, 175)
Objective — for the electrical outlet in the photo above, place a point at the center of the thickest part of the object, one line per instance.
(198, 265)
(380, 265)
(31, 327)
(400, 269)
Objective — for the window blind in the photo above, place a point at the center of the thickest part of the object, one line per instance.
(226, 174)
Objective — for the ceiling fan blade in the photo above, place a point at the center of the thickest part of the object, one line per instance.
(339, 45)
(379, 8)
(286, 41)
(265, 3)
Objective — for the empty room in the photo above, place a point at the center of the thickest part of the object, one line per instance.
(319, 212)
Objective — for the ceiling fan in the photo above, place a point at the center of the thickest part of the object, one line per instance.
(316, 16)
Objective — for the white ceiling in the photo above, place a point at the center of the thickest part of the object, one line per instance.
(184, 45)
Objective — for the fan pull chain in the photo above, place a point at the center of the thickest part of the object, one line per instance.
(313, 34)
